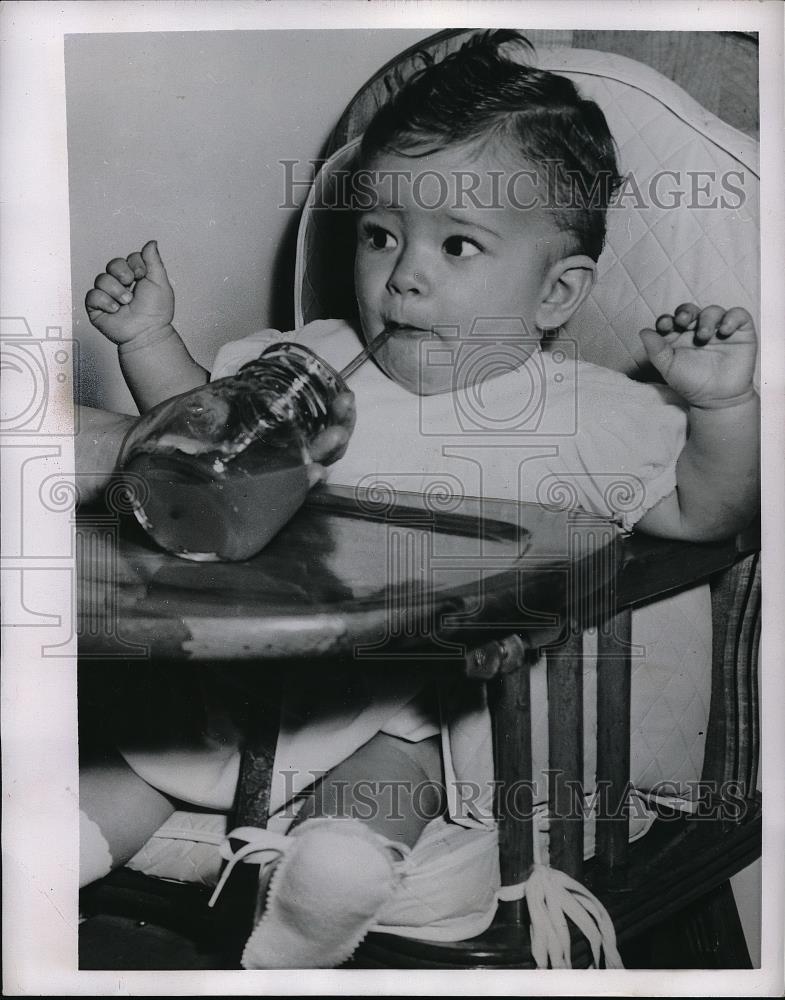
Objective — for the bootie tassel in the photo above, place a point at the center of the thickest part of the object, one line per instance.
(552, 896)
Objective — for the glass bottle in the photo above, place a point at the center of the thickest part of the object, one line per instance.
(215, 473)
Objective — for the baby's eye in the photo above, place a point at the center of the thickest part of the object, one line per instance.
(379, 238)
(461, 246)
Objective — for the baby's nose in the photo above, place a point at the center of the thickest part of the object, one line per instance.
(408, 279)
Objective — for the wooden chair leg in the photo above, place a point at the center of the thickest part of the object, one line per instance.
(707, 934)
(613, 745)
(565, 754)
(234, 911)
(510, 696)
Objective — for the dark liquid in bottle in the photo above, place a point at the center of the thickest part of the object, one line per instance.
(217, 471)
(201, 515)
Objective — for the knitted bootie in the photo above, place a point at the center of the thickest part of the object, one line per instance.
(323, 896)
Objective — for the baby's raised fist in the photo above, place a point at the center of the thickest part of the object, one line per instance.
(132, 298)
(707, 355)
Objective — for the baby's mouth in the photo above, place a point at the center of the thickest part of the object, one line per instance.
(407, 329)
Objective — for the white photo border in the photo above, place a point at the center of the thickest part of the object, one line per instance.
(40, 778)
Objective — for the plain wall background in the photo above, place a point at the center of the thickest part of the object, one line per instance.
(177, 136)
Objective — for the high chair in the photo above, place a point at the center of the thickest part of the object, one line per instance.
(666, 891)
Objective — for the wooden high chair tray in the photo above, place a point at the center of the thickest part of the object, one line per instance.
(358, 574)
(352, 572)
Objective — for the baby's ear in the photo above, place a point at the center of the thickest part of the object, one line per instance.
(564, 290)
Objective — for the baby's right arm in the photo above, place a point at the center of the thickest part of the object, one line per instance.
(132, 304)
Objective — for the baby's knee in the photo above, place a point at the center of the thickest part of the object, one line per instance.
(393, 786)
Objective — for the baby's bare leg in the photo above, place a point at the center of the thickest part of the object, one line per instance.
(118, 813)
(393, 786)
(320, 900)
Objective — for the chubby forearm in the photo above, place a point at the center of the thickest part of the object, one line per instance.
(98, 441)
(158, 367)
(717, 476)
(718, 472)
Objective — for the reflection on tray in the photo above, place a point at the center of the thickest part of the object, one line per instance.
(467, 516)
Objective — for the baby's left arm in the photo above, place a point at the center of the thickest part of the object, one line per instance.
(708, 357)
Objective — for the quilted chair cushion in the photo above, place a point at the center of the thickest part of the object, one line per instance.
(658, 256)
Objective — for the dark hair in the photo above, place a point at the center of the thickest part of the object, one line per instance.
(479, 93)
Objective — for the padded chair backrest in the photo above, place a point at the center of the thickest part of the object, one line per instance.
(686, 227)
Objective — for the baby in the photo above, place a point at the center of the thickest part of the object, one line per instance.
(461, 247)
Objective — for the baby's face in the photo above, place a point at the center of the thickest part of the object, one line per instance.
(435, 258)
